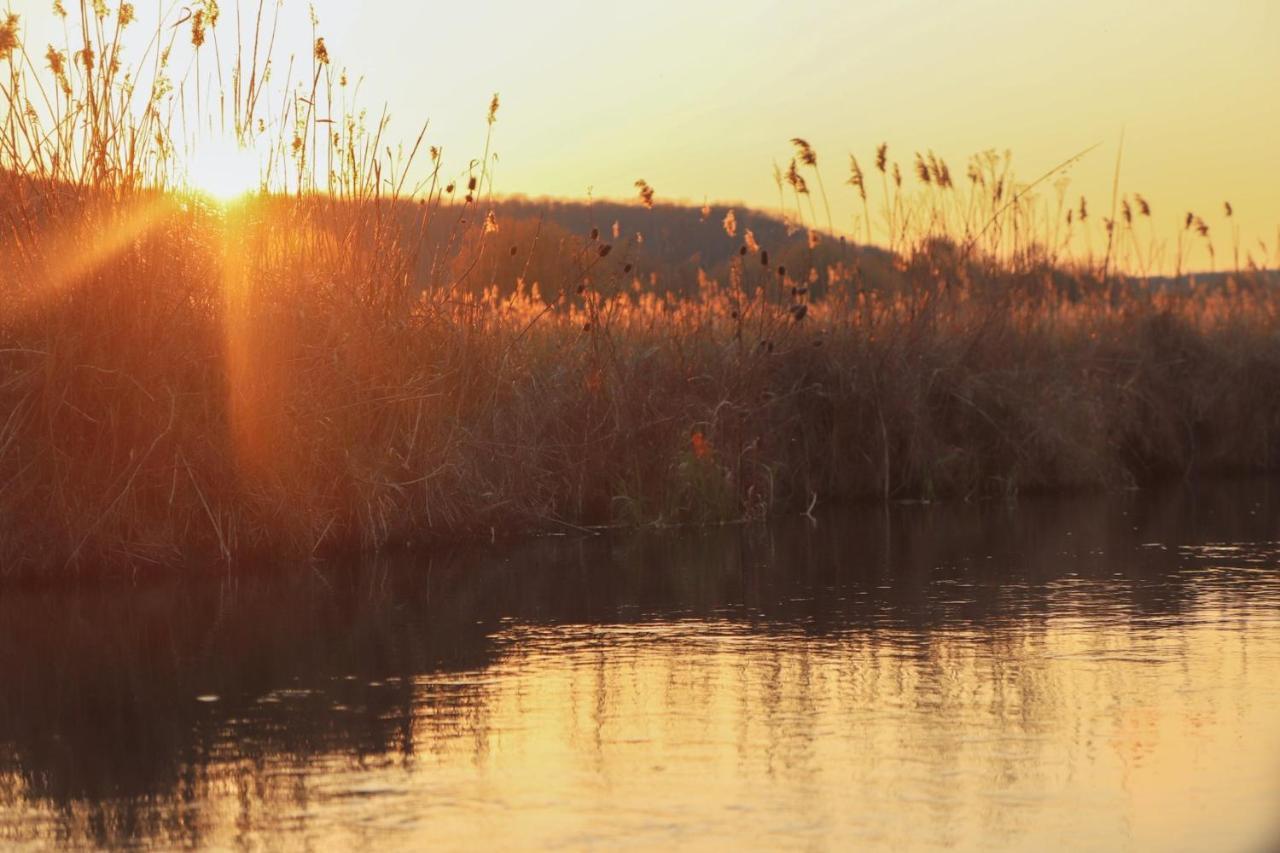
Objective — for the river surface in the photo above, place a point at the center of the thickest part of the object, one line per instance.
(1096, 672)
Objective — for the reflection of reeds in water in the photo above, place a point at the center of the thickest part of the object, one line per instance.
(337, 365)
(437, 674)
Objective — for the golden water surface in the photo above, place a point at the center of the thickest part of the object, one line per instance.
(1050, 679)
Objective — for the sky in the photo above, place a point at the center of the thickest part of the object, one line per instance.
(700, 97)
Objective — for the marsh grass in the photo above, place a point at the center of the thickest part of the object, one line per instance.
(332, 366)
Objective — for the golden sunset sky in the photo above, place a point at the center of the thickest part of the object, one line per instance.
(699, 97)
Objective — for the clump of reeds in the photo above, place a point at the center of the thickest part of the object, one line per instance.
(342, 364)
(996, 216)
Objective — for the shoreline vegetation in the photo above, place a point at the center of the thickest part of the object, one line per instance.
(374, 353)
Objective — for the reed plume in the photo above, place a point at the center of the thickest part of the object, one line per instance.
(646, 193)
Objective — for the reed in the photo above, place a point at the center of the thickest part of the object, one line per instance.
(340, 364)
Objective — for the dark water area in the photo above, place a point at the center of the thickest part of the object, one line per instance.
(1090, 672)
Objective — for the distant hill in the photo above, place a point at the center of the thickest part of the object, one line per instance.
(549, 241)
(552, 244)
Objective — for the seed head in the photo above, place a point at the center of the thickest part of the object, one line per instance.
(856, 179)
(935, 169)
(943, 175)
(805, 152)
(646, 193)
(922, 170)
(198, 24)
(796, 179)
(57, 62)
(8, 35)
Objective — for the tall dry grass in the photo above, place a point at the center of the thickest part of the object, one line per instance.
(324, 368)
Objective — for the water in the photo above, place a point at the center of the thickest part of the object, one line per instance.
(1084, 673)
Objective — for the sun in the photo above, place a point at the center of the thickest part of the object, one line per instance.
(223, 169)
